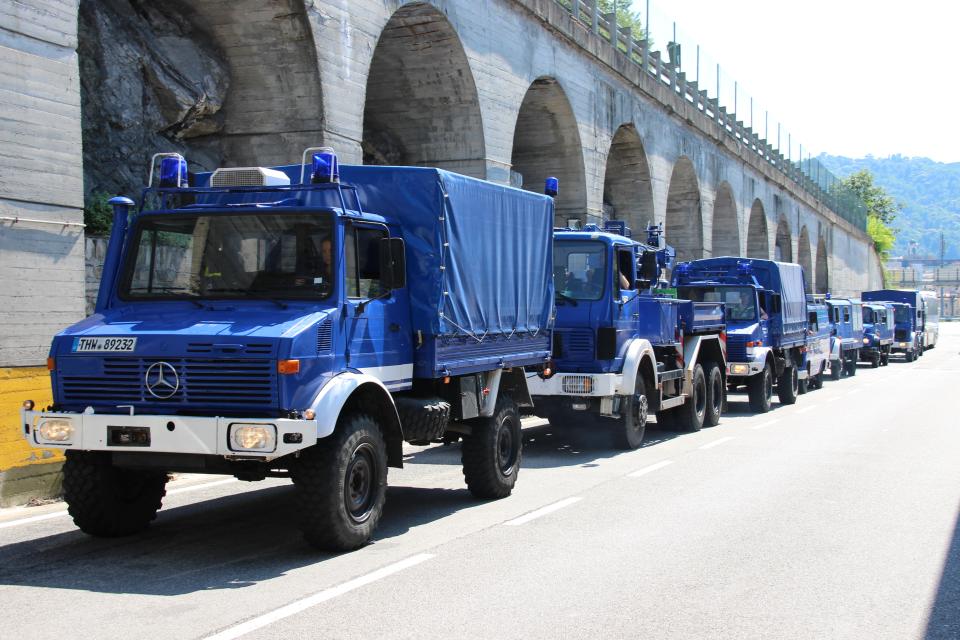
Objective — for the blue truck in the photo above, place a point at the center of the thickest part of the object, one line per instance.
(878, 327)
(816, 353)
(622, 350)
(766, 314)
(846, 315)
(280, 322)
(908, 320)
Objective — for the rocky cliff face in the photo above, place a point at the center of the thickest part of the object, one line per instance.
(150, 81)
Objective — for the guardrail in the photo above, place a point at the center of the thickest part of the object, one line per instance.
(942, 276)
(809, 174)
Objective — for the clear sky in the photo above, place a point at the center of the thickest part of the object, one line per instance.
(846, 77)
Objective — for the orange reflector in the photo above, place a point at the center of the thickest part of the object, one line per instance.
(288, 366)
(51, 363)
(446, 380)
(547, 372)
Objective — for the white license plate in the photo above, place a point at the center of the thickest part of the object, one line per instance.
(123, 345)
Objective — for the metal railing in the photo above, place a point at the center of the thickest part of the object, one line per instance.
(808, 173)
(915, 278)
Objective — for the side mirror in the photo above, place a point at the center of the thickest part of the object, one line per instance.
(775, 303)
(393, 263)
(649, 270)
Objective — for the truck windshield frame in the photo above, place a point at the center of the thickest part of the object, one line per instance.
(734, 298)
(580, 269)
(902, 315)
(243, 255)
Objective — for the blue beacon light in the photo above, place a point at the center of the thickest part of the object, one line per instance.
(173, 172)
(551, 187)
(744, 268)
(325, 168)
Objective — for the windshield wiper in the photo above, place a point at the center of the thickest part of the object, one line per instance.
(564, 296)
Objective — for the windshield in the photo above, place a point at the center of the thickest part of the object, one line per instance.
(902, 314)
(578, 269)
(256, 255)
(741, 302)
(868, 315)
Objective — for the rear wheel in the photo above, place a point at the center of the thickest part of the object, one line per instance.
(760, 390)
(850, 366)
(691, 414)
(341, 485)
(491, 453)
(108, 501)
(715, 395)
(788, 386)
(803, 385)
(836, 368)
(629, 429)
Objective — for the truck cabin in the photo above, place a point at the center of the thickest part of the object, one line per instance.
(818, 320)
(877, 318)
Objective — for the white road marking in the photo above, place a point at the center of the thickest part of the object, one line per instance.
(550, 508)
(32, 519)
(310, 601)
(763, 425)
(711, 445)
(650, 469)
(806, 409)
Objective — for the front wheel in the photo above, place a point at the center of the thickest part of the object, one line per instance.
(629, 430)
(788, 386)
(760, 390)
(836, 366)
(715, 396)
(491, 453)
(107, 501)
(341, 485)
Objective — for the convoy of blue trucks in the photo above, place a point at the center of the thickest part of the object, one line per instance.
(305, 321)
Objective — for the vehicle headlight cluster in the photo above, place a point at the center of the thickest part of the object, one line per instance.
(253, 437)
(55, 430)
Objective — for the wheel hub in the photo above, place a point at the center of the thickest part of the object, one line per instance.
(360, 483)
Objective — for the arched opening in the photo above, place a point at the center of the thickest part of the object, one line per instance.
(726, 229)
(627, 194)
(804, 258)
(421, 103)
(822, 281)
(783, 248)
(684, 221)
(758, 242)
(225, 83)
(546, 142)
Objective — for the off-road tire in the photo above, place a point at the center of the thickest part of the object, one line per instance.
(492, 452)
(788, 386)
(692, 413)
(850, 367)
(803, 385)
(760, 390)
(629, 429)
(341, 485)
(424, 420)
(875, 361)
(108, 501)
(715, 396)
(836, 369)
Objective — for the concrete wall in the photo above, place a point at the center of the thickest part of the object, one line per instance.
(41, 232)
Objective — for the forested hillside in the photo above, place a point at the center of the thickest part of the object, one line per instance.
(929, 191)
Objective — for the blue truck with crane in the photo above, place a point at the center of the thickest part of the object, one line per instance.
(622, 349)
(766, 316)
(301, 321)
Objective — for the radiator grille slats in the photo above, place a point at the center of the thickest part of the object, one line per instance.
(249, 383)
(736, 348)
(577, 344)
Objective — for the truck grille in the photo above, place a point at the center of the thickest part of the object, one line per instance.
(736, 348)
(900, 335)
(206, 383)
(577, 344)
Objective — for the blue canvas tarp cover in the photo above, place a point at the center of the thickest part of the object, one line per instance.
(479, 255)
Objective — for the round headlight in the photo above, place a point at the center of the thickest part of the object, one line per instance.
(56, 430)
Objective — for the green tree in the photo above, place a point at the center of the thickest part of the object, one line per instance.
(97, 214)
(879, 203)
(882, 209)
(626, 17)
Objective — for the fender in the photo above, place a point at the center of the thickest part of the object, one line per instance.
(334, 395)
(637, 350)
(835, 349)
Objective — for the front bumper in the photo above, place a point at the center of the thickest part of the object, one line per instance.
(168, 434)
(595, 385)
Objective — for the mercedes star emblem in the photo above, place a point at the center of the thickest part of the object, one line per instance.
(162, 380)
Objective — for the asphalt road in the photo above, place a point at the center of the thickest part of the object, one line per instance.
(833, 518)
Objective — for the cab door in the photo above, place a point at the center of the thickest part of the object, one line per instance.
(375, 342)
(626, 312)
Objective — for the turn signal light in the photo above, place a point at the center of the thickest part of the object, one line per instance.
(51, 363)
(755, 343)
(288, 366)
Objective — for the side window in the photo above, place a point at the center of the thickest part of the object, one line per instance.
(363, 260)
(625, 266)
(812, 319)
(846, 314)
